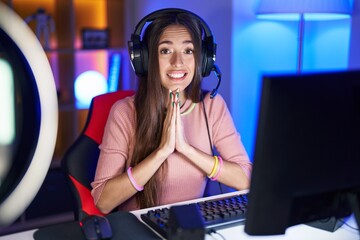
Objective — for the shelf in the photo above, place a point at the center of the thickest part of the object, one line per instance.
(79, 50)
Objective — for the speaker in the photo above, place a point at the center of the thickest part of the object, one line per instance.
(139, 53)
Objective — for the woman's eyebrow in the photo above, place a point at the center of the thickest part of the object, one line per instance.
(165, 42)
(170, 42)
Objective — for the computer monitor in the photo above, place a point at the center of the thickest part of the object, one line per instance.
(28, 116)
(307, 152)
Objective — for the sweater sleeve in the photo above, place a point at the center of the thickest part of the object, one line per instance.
(115, 146)
(226, 138)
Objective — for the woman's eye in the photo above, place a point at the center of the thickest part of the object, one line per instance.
(165, 51)
(189, 51)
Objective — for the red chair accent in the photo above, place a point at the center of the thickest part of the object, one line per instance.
(80, 160)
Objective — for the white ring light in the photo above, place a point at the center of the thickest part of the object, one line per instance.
(20, 198)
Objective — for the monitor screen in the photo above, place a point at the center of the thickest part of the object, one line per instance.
(307, 151)
(28, 116)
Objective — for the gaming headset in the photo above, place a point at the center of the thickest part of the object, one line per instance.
(139, 53)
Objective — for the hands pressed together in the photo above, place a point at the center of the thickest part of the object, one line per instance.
(173, 137)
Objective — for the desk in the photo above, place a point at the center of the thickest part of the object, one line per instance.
(298, 232)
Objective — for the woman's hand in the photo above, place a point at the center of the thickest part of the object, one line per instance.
(167, 142)
(173, 132)
(180, 140)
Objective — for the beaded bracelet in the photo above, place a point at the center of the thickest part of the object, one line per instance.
(214, 178)
(213, 171)
(132, 180)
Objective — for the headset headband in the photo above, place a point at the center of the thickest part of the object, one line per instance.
(152, 16)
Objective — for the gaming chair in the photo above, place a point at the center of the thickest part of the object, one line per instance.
(80, 160)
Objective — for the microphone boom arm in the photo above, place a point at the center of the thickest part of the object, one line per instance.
(217, 72)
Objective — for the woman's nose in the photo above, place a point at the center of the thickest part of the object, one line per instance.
(176, 59)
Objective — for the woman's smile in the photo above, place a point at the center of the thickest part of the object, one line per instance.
(177, 76)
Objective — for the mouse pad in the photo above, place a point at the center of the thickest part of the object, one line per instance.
(124, 225)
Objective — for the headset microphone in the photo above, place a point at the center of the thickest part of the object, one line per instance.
(217, 72)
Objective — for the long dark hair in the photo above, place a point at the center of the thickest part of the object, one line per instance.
(151, 96)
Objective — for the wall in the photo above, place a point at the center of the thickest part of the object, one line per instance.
(263, 46)
(354, 53)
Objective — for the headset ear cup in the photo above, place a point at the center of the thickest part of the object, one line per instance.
(144, 58)
(203, 59)
(208, 52)
(138, 55)
(135, 52)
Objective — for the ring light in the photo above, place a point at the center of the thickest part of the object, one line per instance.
(23, 190)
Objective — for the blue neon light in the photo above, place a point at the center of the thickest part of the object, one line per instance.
(114, 71)
(307, 16)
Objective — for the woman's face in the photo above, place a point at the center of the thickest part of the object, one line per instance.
(176, 58)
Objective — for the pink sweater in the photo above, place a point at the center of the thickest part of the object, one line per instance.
(183, 180)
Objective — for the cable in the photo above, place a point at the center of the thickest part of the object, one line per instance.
(348, 225)
(210, 234)
(208, 131)
(207, 125)
(212, 231)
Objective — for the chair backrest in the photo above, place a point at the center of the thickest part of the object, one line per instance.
(80, 160)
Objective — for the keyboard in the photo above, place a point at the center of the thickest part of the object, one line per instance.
(216, 214)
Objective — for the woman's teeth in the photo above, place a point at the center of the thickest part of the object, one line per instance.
(176, 75)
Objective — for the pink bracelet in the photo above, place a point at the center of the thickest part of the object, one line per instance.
(218, 172)
(132, 180)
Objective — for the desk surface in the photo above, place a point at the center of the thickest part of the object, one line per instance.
(298, 232)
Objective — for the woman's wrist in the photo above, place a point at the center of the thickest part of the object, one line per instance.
(186, 149)
(161, 153)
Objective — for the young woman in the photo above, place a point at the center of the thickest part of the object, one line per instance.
(156, 147)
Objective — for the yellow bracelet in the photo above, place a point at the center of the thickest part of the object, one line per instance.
(214, 168)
